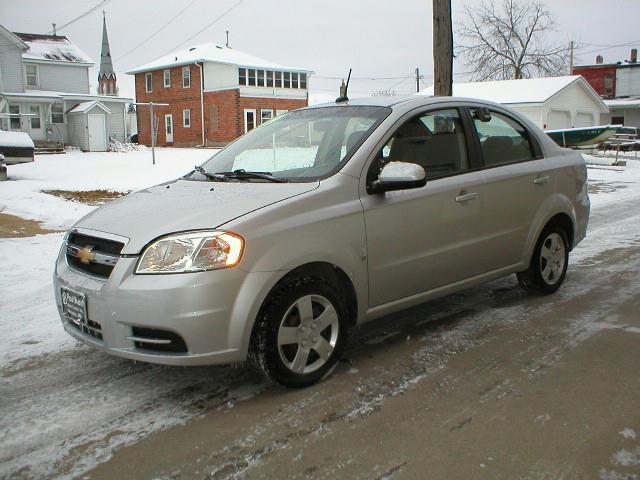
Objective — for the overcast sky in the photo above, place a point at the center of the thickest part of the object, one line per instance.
(382, 40)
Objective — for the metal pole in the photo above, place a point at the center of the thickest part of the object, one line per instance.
(417, 80)
(153, 135)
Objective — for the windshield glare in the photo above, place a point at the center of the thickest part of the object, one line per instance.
(302, 145)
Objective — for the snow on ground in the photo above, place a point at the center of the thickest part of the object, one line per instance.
(32, 332)
(123, 172)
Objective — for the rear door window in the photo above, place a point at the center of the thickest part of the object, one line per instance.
(502, 139)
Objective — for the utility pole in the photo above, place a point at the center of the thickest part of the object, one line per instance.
(417, 80)
(571, 46)
(442, 49)
(153, 130)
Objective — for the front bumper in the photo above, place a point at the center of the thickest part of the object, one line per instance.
(211, 311)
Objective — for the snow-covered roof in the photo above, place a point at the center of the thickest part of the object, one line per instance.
(15, 139)
(210, 52)
(526, 90)
(623, 103)
(52, 48)
(86, 106)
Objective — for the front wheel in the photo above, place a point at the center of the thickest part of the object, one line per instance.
(548, 266)
(301, 332)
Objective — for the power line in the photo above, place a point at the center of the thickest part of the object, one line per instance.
(609, 47)
(174, 17)
(218, 18)
(79, 17)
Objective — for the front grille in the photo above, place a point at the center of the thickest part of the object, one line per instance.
(91, 328)
(157, 340)
(93, 255)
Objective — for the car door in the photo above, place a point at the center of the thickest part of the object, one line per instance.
(424, 238)
(516, 183)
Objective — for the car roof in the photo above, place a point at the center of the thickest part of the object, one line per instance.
(415, 100)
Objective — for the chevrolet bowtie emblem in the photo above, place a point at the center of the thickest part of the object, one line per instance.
(86, 255)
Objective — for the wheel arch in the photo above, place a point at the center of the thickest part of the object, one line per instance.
(558, 210)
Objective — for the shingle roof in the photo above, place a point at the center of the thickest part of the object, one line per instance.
(52, 48)
(210, 52)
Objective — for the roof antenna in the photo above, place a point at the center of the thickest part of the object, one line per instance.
(54, 29)
(343, 90)
(227, 44)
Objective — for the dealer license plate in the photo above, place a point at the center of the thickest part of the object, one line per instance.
(74, 306)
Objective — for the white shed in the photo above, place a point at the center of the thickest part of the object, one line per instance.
(88, 126)
(551, 103)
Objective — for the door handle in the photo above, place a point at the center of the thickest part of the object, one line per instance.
(539, 180)
(466, 197)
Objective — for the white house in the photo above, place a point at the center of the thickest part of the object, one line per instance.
(44, 91)
(551, 103)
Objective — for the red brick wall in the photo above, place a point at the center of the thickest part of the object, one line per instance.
(595, 77)
(223, 110)
(179, 99)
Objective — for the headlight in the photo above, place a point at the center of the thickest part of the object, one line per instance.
(191, 252)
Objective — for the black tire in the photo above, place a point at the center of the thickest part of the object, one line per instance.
(537, 278)
(272, 358)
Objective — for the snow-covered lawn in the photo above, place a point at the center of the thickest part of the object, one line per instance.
(22, 194)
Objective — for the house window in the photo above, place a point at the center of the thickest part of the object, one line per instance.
(303, 80)
(287, 79)
(242, 76)
(148, 81)
(294, 80)
(261, 78)
(265, 116)
(32, 75)
(617, 120)
(186, 118)
(57, 114)
(35, 119)
(186, 77)
(14, 119)
(609, 81)
(252, 77)
(269, 79)
(167, 78)
(278, 79)
(249, 120)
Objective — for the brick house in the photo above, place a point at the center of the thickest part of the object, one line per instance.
(619, 84)
(233, 91)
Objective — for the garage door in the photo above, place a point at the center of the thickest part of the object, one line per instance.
(558, 119)
(584, 120)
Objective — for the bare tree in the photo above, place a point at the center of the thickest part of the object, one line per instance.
(510, 41)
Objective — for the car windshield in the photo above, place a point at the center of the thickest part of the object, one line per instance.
(303, 145)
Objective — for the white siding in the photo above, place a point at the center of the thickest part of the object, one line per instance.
(63, 78)
(219, 76)
(115, 121)
(11, 67)
(532, 112)
(627, 82)
(573, 99)
(77, 127)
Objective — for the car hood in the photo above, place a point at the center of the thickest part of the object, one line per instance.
(185, 205)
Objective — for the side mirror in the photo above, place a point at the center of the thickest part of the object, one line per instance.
(399, 176)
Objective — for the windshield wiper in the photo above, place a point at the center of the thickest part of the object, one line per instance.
(242, 173)
(211, 176)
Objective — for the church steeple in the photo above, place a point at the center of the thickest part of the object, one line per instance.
(106, 77)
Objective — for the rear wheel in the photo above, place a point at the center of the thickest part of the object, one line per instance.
(549, 263)
(301, 332)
